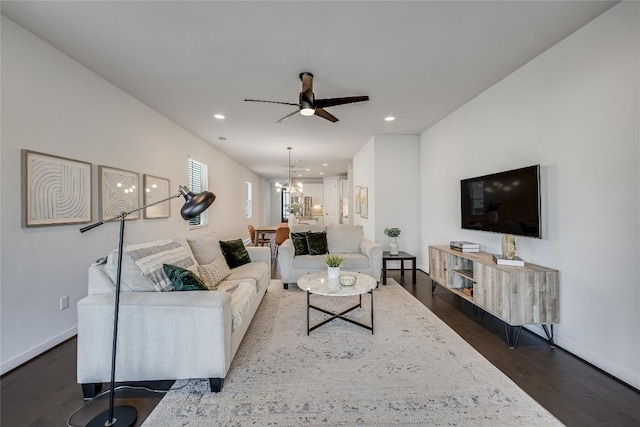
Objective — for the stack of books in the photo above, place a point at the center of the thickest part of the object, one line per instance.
(464, 246)
(516, 262)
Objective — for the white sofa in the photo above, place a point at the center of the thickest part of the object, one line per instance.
(167, 335)
(360, 255)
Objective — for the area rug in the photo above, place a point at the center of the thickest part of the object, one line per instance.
(414, 370)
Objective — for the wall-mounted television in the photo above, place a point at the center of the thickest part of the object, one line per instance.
(505, 202)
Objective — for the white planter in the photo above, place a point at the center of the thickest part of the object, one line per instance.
(393, 246)
(333, 272)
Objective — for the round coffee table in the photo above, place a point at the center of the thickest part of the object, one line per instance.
(318, 283)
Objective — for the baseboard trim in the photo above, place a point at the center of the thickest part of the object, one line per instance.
(36, 351)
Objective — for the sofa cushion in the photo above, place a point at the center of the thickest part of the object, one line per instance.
(183, 279)
(254, 271)
(215, 272)
(355, 261)
(142, 265)
(235, 253)
(344, 237)
(317, 243)
(300, 244)
(205, 247)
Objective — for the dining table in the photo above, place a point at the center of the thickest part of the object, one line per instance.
(264, 229)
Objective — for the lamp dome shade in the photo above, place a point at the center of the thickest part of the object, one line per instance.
(195, 204)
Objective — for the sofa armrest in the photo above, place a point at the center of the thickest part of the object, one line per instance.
(373, 251)
(286, 252)
(260, 253)
(154, 329)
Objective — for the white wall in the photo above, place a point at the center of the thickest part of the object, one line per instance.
(575, 111)
(52, 104)
(397, 198)
(389, 166)
(364, 175)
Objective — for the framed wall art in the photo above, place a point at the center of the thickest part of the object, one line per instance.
(364, 202)
(55, 190)
(357, 201)
(156, 189)
(119, 192)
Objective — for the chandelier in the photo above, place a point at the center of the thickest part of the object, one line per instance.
(289, 187)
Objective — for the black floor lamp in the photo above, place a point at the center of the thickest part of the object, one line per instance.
(194, 205)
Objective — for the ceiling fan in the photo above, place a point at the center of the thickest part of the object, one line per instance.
(308, 105)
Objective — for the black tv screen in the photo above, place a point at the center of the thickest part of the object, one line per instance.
(505, 202)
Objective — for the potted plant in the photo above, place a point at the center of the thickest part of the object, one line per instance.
(393, 233)
(333, 262)
(294, 211)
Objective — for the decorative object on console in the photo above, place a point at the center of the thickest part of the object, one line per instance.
(333, 262)
(119, 192)
(508, 246)
(195, 204)
(515, 261)
(463, 246)
(393, 233)
(70, 203)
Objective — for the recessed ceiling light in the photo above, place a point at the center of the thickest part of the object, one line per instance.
(307, 170)
(219, 116)
(321, 173)
(389, 119)
(325, 164)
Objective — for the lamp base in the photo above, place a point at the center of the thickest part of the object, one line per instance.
(122, 416)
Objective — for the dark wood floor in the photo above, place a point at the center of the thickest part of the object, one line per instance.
(44, 392)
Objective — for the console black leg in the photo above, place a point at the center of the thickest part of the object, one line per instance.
(91, 390)
(433, 285)
(549, 335)
(286, 285)
(216, 384)
(511, 336)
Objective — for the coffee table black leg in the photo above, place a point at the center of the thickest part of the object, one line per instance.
(371, 292)
(307, 312)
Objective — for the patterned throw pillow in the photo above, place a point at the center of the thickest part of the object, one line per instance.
(300, 243)
(150, 257)
(214, 273)
(235, 253)
(183, 279)
(317, 243)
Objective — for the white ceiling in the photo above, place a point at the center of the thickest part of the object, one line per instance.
(188, 60)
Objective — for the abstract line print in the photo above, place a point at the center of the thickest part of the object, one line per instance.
(57, 190)
(119, 192)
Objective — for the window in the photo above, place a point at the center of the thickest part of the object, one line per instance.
(198, 182)
(247, 199)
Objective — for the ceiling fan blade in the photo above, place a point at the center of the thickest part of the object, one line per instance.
(307, 85)
(271, 102)
(287, 116)
(326, 115)
(331, 102)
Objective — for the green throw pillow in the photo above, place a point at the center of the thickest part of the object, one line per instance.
(183, 279)
(235, 253)
(317, 243)
(300, 243)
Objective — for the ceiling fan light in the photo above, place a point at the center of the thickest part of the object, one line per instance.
(307, 111)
